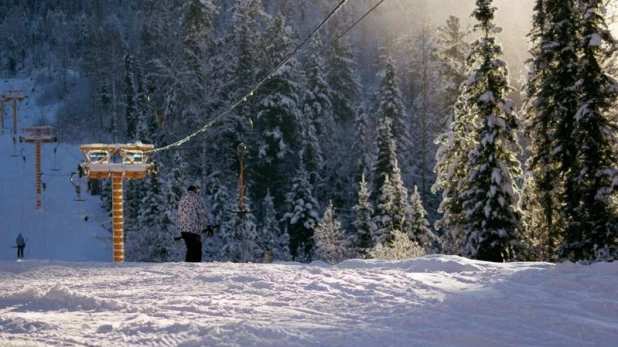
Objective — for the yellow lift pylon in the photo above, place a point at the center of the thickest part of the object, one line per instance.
(38, 135)
(118, 162)
(14, 95)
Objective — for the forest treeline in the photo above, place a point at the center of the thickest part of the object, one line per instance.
(366, 143)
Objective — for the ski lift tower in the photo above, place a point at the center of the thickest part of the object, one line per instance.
(118, 162)
(14, 95)
(38, 135)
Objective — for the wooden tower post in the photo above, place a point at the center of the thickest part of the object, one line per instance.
(118, 162)
(14, 95)
(38, 135)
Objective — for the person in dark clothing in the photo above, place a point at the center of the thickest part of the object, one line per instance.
(21, 244)
(193, 220)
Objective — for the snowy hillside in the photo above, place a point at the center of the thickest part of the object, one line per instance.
(59, 230)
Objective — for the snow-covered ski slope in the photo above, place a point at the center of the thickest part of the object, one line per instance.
(69, 293)
(58, 231)
(430, 301)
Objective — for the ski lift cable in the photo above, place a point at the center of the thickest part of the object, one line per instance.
(259, 84)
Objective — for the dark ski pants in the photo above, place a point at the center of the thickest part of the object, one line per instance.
(20, 252)
(194, 247)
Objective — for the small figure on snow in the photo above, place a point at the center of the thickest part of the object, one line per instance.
(193, 221)
(21, 244)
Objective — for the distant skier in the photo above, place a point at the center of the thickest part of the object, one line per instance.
(193, 220)
(21, 244)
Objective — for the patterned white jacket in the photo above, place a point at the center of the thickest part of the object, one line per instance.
(192, 213)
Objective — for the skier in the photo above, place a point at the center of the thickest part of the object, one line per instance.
(193, 220)
(21, 243)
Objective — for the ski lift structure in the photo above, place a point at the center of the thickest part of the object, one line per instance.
(14, 95)
(241, 151)
(117, 162)
(37, 136)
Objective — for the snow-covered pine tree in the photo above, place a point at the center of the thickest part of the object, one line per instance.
(342, 76)
(220, 202)
(318, 114)
(390, 107)
(301, 216)
(131, 110)
(277, 128)
(331, 244)
(451, 161)
(152, 238)
(400, 248)
(362, 242)
(197, 85)
(491, 220)
(312, 151)
(550, 106)
(241, 242)
(429, 116)
(198, 24)
(360, 152)
(384, 232)
(418, 226)
(591, 233)
(235, 71)
(385, 157)
(318, 96)
(451, 52)
(272, 237)
(400, 206)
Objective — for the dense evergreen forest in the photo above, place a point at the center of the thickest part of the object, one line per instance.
(372, 141)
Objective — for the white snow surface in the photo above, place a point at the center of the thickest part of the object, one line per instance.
(67, 292)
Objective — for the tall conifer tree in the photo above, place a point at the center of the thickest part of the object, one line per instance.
(491, 219)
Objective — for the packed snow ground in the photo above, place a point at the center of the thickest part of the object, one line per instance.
(430, 301)
(68, 293)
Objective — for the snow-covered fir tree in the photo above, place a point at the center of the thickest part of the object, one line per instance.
(550, 106)
(331, 244)
(385, 230)
(591, 233)
(301, 216)
(241, 240)
(491, 219)
(318, 113)
(390, 107)
(418, 227)
(277, 127)
(273, 238)
(152, 238)
(385, 157)
(360, 152)
(131, 108)
(429, 116)
(220, 202)
(451, 52)
(401, 247)
(342, 75)
(362, 241)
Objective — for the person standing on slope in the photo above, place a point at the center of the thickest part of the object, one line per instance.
(193, 220)
(21, 244)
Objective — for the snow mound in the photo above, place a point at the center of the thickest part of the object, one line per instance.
(430, 263)
(18, 325)
(58, 297)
